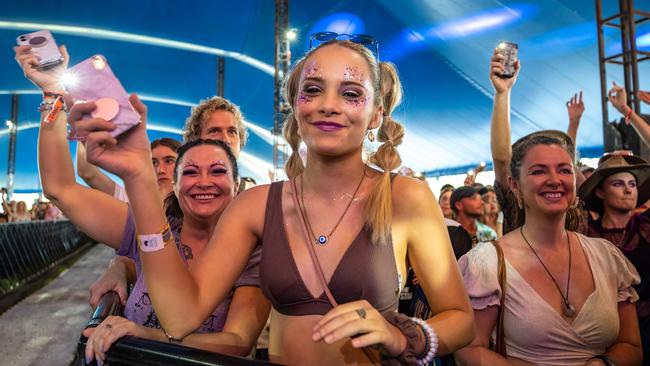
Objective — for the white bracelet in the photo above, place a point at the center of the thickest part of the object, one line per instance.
(431, 347)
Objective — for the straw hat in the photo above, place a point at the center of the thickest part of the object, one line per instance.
(611, 164)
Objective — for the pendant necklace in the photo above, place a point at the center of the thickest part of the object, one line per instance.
(324, 238)
(568, 310)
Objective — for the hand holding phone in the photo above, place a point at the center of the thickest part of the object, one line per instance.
(94, 81)
(509, 52)
(46, 78)
(43, 47)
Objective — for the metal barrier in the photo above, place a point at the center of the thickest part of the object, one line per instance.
(134, 351)
(27, 249)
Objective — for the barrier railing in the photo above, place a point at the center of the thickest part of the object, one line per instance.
(134, 351)
(29, 248)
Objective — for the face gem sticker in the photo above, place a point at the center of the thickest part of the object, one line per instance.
(107, 108)
(352, 73)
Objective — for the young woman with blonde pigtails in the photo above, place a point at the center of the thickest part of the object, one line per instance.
(336, 237)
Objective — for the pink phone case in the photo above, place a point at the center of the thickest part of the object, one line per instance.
(43, 47)
(96, 82)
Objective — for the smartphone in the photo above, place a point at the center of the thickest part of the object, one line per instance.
(509, 52)
(43, 47)
(94, 81)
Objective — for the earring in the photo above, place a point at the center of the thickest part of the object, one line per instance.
(371, 136)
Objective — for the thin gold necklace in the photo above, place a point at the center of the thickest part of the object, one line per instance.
(568, 310)
(323, 239)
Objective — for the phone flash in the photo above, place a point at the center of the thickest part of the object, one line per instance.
(470, 172)
(502, 45)
(482, 164)
(68, 79)
(99, 63)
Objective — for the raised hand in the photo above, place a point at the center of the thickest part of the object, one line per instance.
(576, 107)
(360, 320)
(500, 84)
(618, 97)
(127, 156)
(47, 80)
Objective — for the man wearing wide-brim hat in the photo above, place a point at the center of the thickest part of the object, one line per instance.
(619, 185)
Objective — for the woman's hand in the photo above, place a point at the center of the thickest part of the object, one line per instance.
(618, 97)
(126, 156)
(114, 279)
(47, 80)
(110, 330)
(501, 85)
(364, 324)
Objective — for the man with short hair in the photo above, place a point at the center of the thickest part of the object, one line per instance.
(468, 207)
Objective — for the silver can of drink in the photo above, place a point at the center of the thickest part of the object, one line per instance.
(509, 52)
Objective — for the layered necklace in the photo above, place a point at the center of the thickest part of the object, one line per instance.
(568, 310)
(322, 239)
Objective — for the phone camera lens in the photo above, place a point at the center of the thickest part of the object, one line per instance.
(36, 41)
(23, 38)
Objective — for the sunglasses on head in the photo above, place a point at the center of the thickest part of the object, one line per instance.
(362, 39)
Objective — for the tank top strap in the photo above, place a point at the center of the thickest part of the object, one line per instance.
(273, 214)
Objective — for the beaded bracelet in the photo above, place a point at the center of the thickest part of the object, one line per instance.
(431, 347)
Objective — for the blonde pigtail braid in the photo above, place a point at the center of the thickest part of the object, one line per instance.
(378, 209)
(294, 166)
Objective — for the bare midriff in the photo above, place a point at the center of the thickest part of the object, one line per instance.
(291, 344)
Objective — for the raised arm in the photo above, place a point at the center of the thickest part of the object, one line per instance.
(100, 216)
(182, 299)
(91, 174)
(618, 97)
(500, 126)
(575, 107)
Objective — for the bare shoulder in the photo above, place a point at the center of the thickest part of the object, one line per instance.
(410, 194)
(249, 207)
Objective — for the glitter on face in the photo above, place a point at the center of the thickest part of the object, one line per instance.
(313, 71)
(304, 98)
(357, 103)
(352, 73)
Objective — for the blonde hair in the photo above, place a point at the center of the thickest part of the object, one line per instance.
(203, 111)
(388, 94)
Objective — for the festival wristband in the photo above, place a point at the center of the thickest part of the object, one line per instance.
(155, 242)
(628, 115)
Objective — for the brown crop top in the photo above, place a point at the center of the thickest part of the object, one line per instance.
(366, 271)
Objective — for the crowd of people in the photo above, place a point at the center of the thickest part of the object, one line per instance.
(16, 211)
(346, 262)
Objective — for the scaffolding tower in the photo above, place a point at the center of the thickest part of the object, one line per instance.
(280, 106)
(618, 135)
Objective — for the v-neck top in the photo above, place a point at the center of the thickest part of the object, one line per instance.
(535, 331)
(366, 271)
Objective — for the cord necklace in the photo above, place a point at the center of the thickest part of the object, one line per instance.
(323, 238)
(568, 310)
